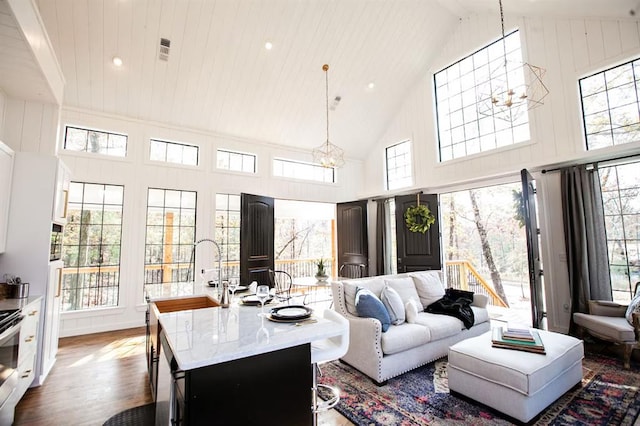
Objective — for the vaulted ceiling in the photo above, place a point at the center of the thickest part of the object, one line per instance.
(219, 77)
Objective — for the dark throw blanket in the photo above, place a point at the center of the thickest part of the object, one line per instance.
(455, 303)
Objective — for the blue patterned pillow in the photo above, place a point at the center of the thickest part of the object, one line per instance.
(369, 306)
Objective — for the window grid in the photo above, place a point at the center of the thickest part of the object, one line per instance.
(95, 141)
(611, 106)
(301, 170)
(236, 161)
(398, 159)
(462, 129)
(228, 232)
(173, 152)
(91, 248)
(621, 200)
(170, 235)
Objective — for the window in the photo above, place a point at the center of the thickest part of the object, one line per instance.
(91, 249)
(94, 141)
(620, 187)
(399, 165)
(171, 230)
(236, 161)
(228, 232)
(305, 171)
(172, 152)
(462, 128)
(610, 106)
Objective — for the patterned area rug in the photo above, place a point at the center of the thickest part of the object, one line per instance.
(143, 415)
(609, 395)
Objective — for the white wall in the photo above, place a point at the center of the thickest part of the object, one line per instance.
(568, 49)
(137, 174)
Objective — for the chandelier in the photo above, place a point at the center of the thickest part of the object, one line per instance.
(328, 155)
(513, 88)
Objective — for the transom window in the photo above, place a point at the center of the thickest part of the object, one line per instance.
(236, 161)
(462, 127)
(95, 141)
(398, 158)
(172, 152)
(171, 230)
(91, 248)
(228, 232)
(610, 106)
(301, 170)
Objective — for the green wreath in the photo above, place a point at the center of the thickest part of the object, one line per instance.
(419, 218)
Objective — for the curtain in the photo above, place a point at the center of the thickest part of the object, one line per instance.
(381, 232)
(585, 237)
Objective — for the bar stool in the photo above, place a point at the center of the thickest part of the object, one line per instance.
(324, 351)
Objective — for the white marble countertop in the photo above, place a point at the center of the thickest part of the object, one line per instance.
(17, 303)
(203, 337)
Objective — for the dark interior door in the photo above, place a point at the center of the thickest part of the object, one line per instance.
(533, 247)
(256, 238)
(417, 251)
(353, 241)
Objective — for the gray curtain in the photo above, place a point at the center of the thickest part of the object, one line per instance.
(381, 232)
(585, 237)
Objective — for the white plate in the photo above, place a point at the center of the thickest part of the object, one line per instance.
(292, 312)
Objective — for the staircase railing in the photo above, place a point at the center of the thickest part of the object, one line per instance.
(462, 275)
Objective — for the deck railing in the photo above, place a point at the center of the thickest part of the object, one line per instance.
(462, 275)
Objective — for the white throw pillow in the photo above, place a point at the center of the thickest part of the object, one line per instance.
(411, 311)
(394, 305)
(428, 286)
(405, 288)
(634, 307)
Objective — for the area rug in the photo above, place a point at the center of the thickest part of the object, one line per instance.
(143, 415)
(608, 395)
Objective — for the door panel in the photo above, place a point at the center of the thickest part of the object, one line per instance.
(533, 248)
(353, 241)
(256, 238)
(417, 251)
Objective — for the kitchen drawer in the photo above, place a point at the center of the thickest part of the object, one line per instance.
(26, 374)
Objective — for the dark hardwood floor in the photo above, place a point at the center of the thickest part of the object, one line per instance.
(95, 377)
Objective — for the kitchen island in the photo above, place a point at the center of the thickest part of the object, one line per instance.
(232, 366)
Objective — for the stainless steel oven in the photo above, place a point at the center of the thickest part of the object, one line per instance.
(10, 322)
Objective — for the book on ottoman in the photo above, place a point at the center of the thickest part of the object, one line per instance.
(498, 340)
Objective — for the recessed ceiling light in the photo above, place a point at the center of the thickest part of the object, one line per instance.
(371, 85)
(268, 45)
(117, 61)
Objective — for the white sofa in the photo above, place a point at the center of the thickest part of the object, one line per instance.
(421, 339)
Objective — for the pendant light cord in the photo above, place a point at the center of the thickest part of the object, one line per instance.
(325, 67)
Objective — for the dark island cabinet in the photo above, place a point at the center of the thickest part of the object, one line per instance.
(273, 388)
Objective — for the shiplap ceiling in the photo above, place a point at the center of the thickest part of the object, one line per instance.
(220, 78)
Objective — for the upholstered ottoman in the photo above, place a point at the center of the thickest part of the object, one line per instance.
(518, 384)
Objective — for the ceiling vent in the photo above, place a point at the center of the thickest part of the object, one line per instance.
(165, 45)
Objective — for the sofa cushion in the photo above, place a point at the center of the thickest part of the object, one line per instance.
(440, 326)
(392, 301)
(480, 315)
(411, 311)
(405, 288)
(350, 286)
(369, 306)
(428, 286)
(399, 338)
(615, 329)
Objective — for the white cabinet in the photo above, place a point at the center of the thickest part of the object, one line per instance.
(34, 191)
(52, 317)
(61, 196)
(6, 172)
(28, 346)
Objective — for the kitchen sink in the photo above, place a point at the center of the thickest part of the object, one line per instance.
(185, 303)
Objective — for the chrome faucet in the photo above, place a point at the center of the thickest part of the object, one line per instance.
(192, 263)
